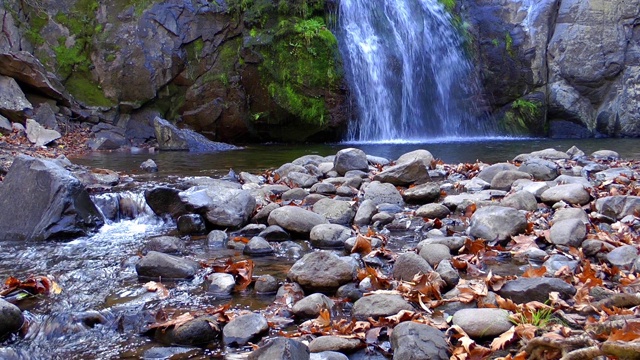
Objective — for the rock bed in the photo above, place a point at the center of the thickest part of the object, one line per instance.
(415, 259)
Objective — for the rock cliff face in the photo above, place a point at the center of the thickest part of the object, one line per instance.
(215, 66)
(566, 68)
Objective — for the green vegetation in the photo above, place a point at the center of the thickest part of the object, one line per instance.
(37, 22)
(521, 116)
(539, 318)
(508, 44)
(85, 90)
(449, 5)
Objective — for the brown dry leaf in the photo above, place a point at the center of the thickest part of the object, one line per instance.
(523, 243)
(242, 270)
(630, 332)
(501, 341)
(506, 304)
(474, 246)
(526, 331)
(362, 245)
(153, 286)
(378, 280)
(533, 273)
(324, 319)
(176, 323)
(468, 348)
(241, 239)
(469, 210)
(588, 276)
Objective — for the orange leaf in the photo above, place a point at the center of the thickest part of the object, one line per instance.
(470, 210)
(176, 323)
(324, 319)
(361, 246)
(501, 341)
(153, 286)
(532, 272)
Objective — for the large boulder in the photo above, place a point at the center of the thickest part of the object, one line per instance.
(497, 223)
(223, 206)
(617, 207)
(414, 341)
(295, 219)
(244, 328)
(421, 155)
(335, 211)
(321, 271)
(13, 103)
(569, 193)
(281, 348)
(405, 174)
(168, 136)
(485, 322)
(11, 318)
(45, 202)
(350, 159)
(380, 193)
(164, 266)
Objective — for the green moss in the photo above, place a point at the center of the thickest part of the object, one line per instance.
(37, 22)
(508, 44)
(85, 90)
(71, 59)
(519, 118)
(449, 5)
(110, 58)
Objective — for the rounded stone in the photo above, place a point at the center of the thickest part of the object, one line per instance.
(310, 306)
(326, 236)
(569, 232)
(410, 264)
(266, 284)
(435, 253)
(623, 255)
(295, 219)
(378, 305)
(433, 211)
(350, 159)
(569, 193)
(321, 271)
(414, 341)
(244, 328)
(11, 318)
(335, 343)
(485, 322)
(221, 283)
(258, 246)
(497, 223)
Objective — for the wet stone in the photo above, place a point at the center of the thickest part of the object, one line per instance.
(295, 219)
(266, 284)
(378, 305)
(365, 212)
(274, 233)
(349, 291)
(435, 253)
(191, 224)
(335, 343)
(257, 246)
(244, 328)
(310, 306)
(221, 283)
(281, 348)
(217, 239)
(523, 290)
(149, 166)
(165, 244)
(164, 266)
(11, 318)
(321, 271)
(200, 331)
(263, 214)
(249, 231)
(413, 341)
(382, 218)
(326, 236)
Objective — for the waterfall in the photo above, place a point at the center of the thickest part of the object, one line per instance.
(408, 75)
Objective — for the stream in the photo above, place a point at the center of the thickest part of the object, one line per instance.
(103, 308)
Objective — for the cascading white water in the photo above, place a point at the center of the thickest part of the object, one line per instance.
(407, 72)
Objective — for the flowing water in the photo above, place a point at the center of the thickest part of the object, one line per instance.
(407, 72)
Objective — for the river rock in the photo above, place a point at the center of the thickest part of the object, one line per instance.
(244, 328)
(405, 174)
(556, 262)
(221, 283)
(302, 180)
(349, 291)
(433, 211)
(262, 215)
(326, 236)
(617, 207)
(295, 219)
(310, 306)
(149, 166)
(479, 323)
(461, 201)
(296, 194)
(168, 136)
(423, 155)
(422, 194)
(380, 193)
(365, 212)
(454, 243)
(435, 253)
(164, 266)
(521, 200)
(605, 155)
(335, 211)
(197, 332)
(378, 305)
(5, 125)
(286, 168)
(596, 247)
(569, 232)
(257, 246)
(570, 193)
(476, 184)
(350, 159)
(487, 174)
(281, 348)
(217, 239)
(165, 201)
(566, 179)
(328, 355)
(323, 188)
(448, 273)
(410, 264)
(274, 233)
(534, 187)
(321, 271)
(39, 135)
(540, 169)
(523, 290)
(190, 224)
(623, 255)
(504, 179)
(221, 205)
(266, 284)
(46, 202)
(497, 223)
(622, 174)
(13, 102)
(414, 341)
(549, 154)
(165, 244)
(11, 318)
(570, 213)
(335, 343)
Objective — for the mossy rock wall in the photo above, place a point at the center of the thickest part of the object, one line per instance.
(200, 64)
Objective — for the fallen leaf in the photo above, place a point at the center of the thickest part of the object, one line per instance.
(505, 338)
(153, 286)
(361, 246)
(532, 272)
(176, 323)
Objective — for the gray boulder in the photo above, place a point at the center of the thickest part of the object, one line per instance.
(327, 236)
(405, 174)
(189, 224)
(378, 305)
(569, 193)
(380, 193)
(39, 135)
(504, 179)
(258, 246)
(221, 206)
(414, 341)
(335, 343)
(11, 318)
(448, 273)
(244, 328)
(310, 306)
(165, 244)
(489, 172)
(422, 155)
(433, 211)
(479, 323)
(266, 284)
(13, 103)
(165, 201)
(296, 194)
(540, 169)
(197, 332)
(164, 266)
(149, 166)
(435, 253)
(569, 232)
(623, 255)
(335, 211)
(221, 283)
(521, 200)
(410, 264)
(523, 290)
(617, 207)
(321, 271)
(295, 219)
(497, 223)
(169, 137)
(422, 194)
(365, 212)
(549, 154)
(281, 348)
(302, 180)
(350, 159)
(570, 213)
(45, 202)
(605, 155)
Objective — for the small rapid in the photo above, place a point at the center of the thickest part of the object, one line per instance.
(408, 73)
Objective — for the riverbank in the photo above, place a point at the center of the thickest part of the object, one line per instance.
(415, 258)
